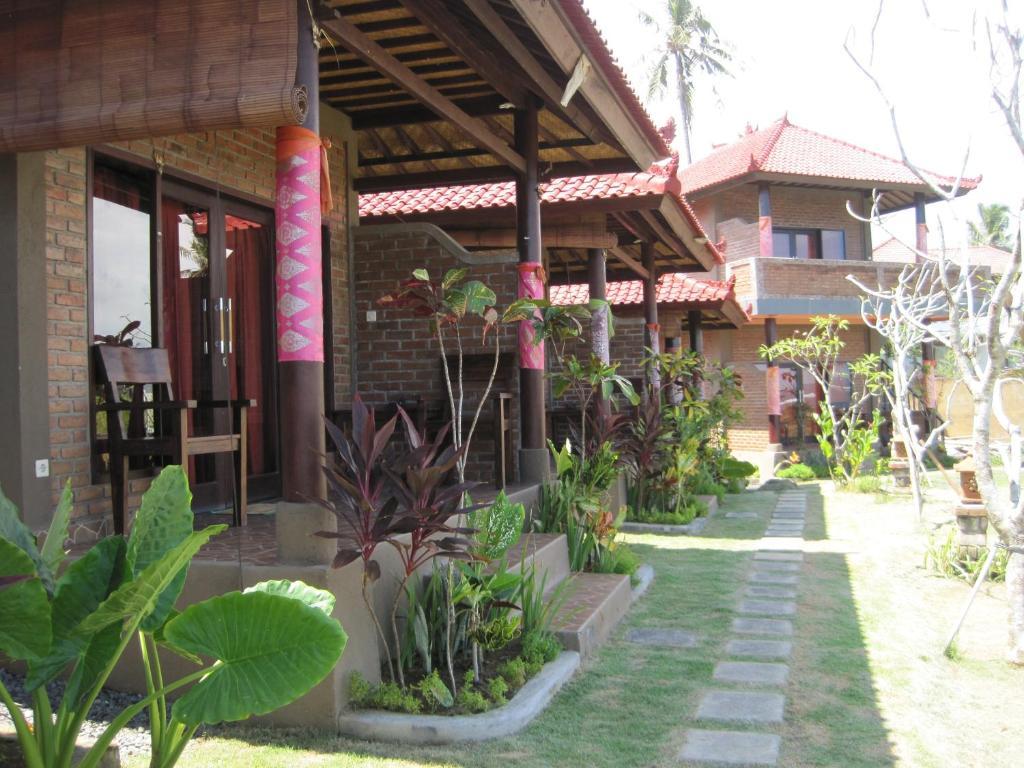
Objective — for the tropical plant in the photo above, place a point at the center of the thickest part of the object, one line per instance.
(840, 433)
(448, 304)
(687, 45)
(992, 227)
(362, 500)
(81, 621)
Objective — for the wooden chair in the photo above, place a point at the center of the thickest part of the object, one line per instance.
(128, 370)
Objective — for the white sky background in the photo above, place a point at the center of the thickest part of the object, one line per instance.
(788, 57)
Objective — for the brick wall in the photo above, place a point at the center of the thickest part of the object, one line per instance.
(732, 215)
(397, 356)
(751, 432)
(233, 160)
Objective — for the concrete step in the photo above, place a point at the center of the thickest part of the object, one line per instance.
(593, 604)
(547, 552)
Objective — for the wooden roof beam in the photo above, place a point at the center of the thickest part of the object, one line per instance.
(445, 25)
(622, 255)
(348, 34)
(550, 90)
(664, 235)
(564, 236)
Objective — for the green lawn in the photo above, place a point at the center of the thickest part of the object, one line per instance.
(868, 684)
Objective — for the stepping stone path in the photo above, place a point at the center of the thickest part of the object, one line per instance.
(760, 631)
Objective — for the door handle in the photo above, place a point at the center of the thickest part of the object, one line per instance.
(221, 341)
(231, 330)
(206, 328)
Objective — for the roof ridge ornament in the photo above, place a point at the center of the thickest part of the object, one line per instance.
(579, 75)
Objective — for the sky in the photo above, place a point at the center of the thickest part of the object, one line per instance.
(788, 58)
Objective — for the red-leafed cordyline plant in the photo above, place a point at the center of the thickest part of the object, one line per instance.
(427, 502)
(362, 500)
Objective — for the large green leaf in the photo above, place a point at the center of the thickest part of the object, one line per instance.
(320, 599)
(473, 298)
(498, 526)
(271, 650)
(164, 521)
(92, 664)
(15, 531)
(24, 609)
(137, 598)
(53, 547)
(453, 277)
(86, 583)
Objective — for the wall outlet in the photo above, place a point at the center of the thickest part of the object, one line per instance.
(42, 467)
(371, 315)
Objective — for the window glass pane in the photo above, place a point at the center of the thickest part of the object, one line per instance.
(780, 244)
(804, 245)
(121, 229)
(833, 244)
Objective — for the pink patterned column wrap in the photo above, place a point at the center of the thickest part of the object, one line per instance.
(531, 355)
(773, 390)
(300, 299)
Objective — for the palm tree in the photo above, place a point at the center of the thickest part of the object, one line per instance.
(993, 228)
(689, 44)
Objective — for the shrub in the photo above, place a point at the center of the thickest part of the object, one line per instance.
(619, 558)
(434, 692)
(513, 672)
(496, 689)
(706, 485)
(391, 697)
(541, 647)
(944, 556)
(360, 692)
(867, 484)
(470, 699)
(797, 471)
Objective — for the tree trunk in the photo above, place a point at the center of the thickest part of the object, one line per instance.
(1015, 598)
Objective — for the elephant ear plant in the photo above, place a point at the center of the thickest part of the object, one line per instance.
(282, 639)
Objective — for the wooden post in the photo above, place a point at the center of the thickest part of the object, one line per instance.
(300, 345)
(696, 332)
(922, 226)
(652, 333)
(764, 221)
(772, 382)
(599, 340)
(533, 454)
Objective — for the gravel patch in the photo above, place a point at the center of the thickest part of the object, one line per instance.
(133, 739)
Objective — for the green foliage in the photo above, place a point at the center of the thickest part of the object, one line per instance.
(471, 700)
(797, 471)
(498, 527)
(513, 672)
(497, 689)
(619, 559)
(541, 647)
(867, 484)
(434, 692)
(734, 469)
(123, 591)
(390, 697)
(691, 510)
(946, 558)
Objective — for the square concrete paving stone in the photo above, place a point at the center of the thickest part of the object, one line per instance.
(777, 627)
(783, 535)
(742, 515)
(765, 649)
(780, 566)
(768, 607)
(751, 672)
(671, 638)
(780, 556)
(731, 748)
(773, 577)
(742, 706)
(759, 590)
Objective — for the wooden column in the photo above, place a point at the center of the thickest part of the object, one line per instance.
(652, 331)
(922, 225)
(696, 332)
(533, 454)
(300, 347)
(772, 382)
(597, 278)
(764, 221)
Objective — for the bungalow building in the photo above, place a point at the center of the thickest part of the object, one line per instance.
(776, 208)
(184, 174)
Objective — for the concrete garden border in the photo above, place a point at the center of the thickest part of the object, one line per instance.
(529, 701)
